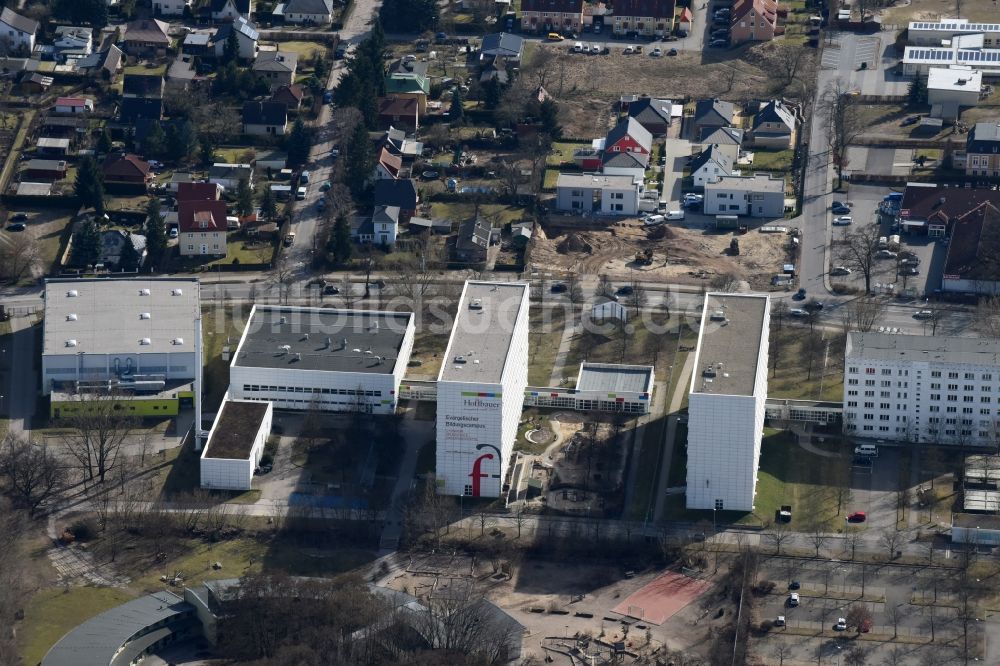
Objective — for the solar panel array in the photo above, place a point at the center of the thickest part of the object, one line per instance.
(964, 27)
(917, 54)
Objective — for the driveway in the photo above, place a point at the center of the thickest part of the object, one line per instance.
(677, 152)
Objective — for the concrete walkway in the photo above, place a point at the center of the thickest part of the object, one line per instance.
(569, 332)
(18, 398)
(668, 441)
(656, 411)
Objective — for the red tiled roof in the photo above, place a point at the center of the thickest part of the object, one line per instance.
(197, 192)
(71, 101)
(118, 164)
(393, 163)
(659, 9)
(742, 7)
(686, 14)
(397, 106)
(191, 215)
(974, 250)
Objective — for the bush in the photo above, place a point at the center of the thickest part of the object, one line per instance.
(764, 587)
(84, 530)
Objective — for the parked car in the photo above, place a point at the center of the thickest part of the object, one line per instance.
(672, 52)
(923, 314)
(910, 120)
(328, 97)
(628, 50)
(885, 254)
(558, 288)
(793, 599)
(813, 306)
(595, 49)
(718, 43)
(330, 290)
(800, 295)
(840, 210)
(841, 624)
(553, 37)
(798, 312)
(794, 585)
(691, 196)
(174, 233)
(857, 517)
(16, 226)
(779, 621)
(19, 217)
(656, 52)
(625, 290)
(682, 33)
(840, 270)
(909, 270)
(842, 221)
(675, 215)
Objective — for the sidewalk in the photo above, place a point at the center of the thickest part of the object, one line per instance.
(668, 444)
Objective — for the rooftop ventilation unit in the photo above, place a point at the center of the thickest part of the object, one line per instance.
(145, 342)
(145, 315)
(71, 343)
(282, 320)
(144, 292)
(176, 292)
(305, 337)
(177, 341)
(708, 372)
(476, 304)
(460, 359)
(72, 293)
(71, 317)
(285, 348)
(298, 356)
(717, 315)
(329, 343)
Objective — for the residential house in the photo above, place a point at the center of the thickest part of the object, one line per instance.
(35, 83)
(982, 150)
(646, 18)
(44, 170)
(113, 245)
(52, 146)
(17, 33)
(104, 64)
(229, 175)
(399, 112)
(407, 79)
(63, 126)
(170, 7)
(624, 164)
(310, 12)
(289, 95)
(552, 15)
(202, 227)
(146, 37)
(709, 166)
(246, 35)
(198, 42)
(589, 159)
(190, 191)
(278, 67)
(126, 172)
(265, 118)
(758, 195)
(385, 225)
(178, 178)
(397, 143)
(629, 136)
(502, 45)
(181, 73)
(143, 85)
(933, 209)
(74, 105)
(727, 140)
(388, 166)
(971, 261)
(710, 115)
(774, 126)
(950, 89)
(685, 20)
(275, 160)
(401, 193)
(652, 113)
(474, 243)
(73, 41)
(230, 10)
(585, 193)
(133, 109)
(753, 21)
(422, 224)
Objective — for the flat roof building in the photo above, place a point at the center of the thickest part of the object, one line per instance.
(480, 390)
(945, 390)
(329, 359)
(119, 329)
(235, 444)
(726, 402)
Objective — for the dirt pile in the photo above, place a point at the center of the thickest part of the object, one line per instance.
(574, 244)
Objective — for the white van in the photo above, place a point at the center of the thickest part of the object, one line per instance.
(675, 215)
(866, 450)
(650, 220)
(578, 47)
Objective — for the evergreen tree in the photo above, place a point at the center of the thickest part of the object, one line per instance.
(298, 143)
(89, 186)
(104, 144)
(231, 49)
(156, 235)
(493, 91)
(155, 143)
(321, 70)
(457, 109)
(181, 140)
(268, 205)
(82, 12)
(361, 161)
(549, 116)
(206, 150)
(130, 258)
(244, 198)
(917, 92)
(341, 241)
(87, 244)
(410, 15)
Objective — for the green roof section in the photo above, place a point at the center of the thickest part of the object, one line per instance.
(407, 82)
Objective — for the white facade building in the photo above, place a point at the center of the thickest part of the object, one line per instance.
(235, 444)
(935, 33)
(480, 389)
(726, 402)
(124, 330)
(951, 88)
(922, 389)
(585, 193)
(332, 360)
(759, 195)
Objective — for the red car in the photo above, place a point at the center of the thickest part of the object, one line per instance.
(857, 517)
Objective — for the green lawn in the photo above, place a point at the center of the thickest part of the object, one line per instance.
(235, 154)
(53, 612)
(562, 151)
(306, 50)
(143, 68)
(633, 344)
(459, 211)
(773, 160)
(790, 376)
(545, 329)
(549, 182)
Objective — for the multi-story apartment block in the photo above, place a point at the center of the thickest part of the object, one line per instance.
(982, 150)
(922, 389)
(726, 402)
(648, 18)
(552, 15)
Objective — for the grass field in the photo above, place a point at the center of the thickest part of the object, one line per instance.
(773, 160)
(545, 329)
(563, 152)
(143, 68)
(549, 180)
(305, 50)
(53, 612)
(500, 214)
(790, 376)
(220, 328)
(634, 345)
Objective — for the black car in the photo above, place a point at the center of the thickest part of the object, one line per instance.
(814, 306)
(330, 290)
(19, 217)
(558, 288)
(841, 210)
(672, 52)
(625, 290)
(17, 226)
(794, 585)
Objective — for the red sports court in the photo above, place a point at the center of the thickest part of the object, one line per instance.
(660, 599)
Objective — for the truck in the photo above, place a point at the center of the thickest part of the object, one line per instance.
(785, 513)
(894, 242)
(289, 238)
(644, 257)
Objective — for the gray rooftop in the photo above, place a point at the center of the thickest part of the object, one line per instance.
(97, 641)
(110, 316)
(313, 339)
(594, 181)
(613, 378)
(235, 430)
(923, 348)
(731, 335)
(483, 331)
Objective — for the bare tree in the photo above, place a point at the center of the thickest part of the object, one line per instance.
(818, 537)
(34, 474)
(891, 539)
(858, 616)
(778, 534)
(97, 431)
(852, 538)
(782, 651)
(726, 282)
(894, 614)
(858, 252)
(861, 314)
(281, 276)
(987, 317)
(19, 256)
(638, 295)
(779, 310)
(841, 113)
(813, 349)
(604, 286)
(574, 287)
(347, 290)
(856, 657)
